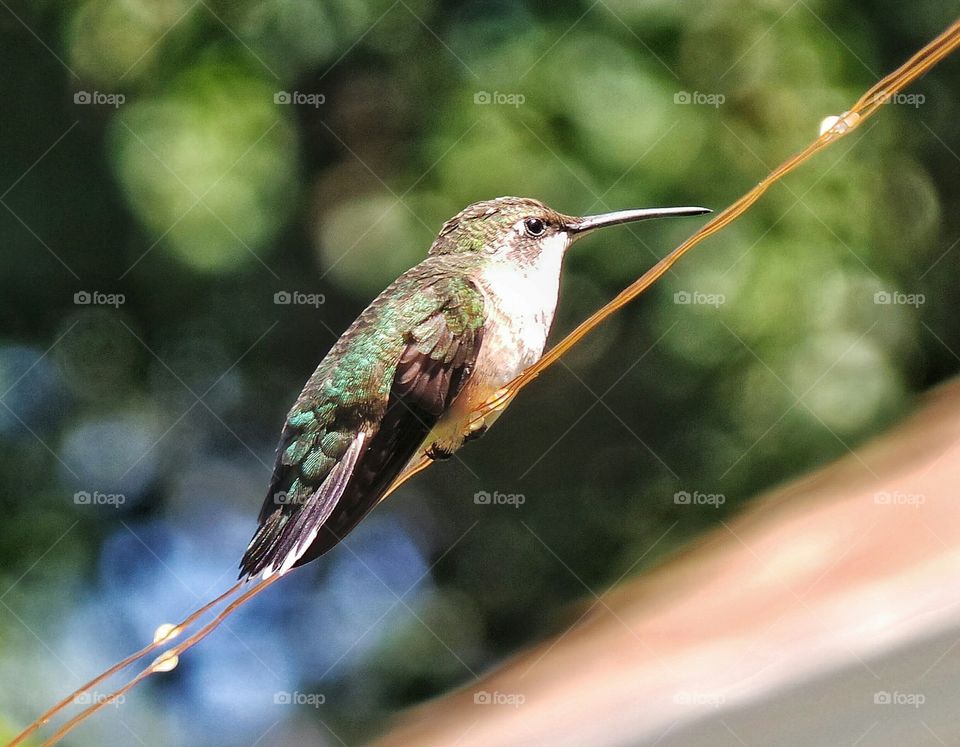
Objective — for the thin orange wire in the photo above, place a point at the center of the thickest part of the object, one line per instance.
(184, 646)
(166, 656)
(122, 664)
(865, 107)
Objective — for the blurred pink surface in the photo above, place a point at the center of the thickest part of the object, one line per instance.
(828, 574)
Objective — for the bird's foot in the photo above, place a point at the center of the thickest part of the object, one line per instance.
(438, 453)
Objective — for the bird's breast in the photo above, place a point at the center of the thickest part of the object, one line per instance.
(519, 305)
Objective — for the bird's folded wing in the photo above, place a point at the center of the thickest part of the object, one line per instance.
(334, 461)
(300, 529)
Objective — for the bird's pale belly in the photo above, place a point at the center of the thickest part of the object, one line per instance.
(505, 359)
(521, 309)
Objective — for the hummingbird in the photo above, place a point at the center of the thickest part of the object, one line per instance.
(405, 380)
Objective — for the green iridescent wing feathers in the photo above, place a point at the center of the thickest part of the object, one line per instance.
(364, 413)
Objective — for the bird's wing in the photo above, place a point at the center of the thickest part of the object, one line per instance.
(339, 454)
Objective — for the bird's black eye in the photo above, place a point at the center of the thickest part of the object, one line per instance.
(534, 226)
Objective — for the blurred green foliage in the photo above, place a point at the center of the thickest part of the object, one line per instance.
(198, 158)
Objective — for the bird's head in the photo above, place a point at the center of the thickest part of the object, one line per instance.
(520, 229)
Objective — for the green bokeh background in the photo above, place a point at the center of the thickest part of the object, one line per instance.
(188, 185)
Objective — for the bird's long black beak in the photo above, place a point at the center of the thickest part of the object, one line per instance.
(580, 226)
